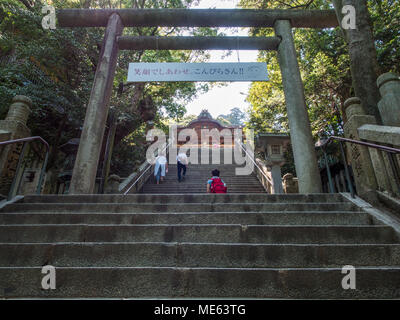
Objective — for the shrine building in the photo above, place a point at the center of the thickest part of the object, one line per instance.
(205, 121)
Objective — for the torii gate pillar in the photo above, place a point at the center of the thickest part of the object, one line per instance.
(85, 168)
(300, 130)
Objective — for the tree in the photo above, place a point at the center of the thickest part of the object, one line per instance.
(325, 67)
(363, 59)
(187, 119)
(55, 68)
(235, 117)
(324, 63)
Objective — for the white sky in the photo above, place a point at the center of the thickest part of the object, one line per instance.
(220, 100)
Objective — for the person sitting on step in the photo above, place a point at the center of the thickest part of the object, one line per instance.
(216, 184)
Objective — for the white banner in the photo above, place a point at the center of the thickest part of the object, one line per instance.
(171, 71)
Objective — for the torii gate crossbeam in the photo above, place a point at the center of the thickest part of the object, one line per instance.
(197, 17)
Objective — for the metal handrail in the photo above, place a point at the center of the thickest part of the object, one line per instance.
(259, 169)
(148, 167)
(21, 158)
(28, 139)
(391, 151)
(367, 144)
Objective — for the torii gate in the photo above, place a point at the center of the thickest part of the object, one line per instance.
(84, 172)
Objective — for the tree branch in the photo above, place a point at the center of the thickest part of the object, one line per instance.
(27, 4)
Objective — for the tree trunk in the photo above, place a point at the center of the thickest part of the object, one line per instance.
(363, 60)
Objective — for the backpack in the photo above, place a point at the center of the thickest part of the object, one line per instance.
(217, 186)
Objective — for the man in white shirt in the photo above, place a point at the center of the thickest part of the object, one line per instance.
(182, 162)
(160, 167)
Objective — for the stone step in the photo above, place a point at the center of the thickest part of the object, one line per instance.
(252, 218)
(207, 172)
(193, 183)
(208, 168)
(166, 185)
(203, 179)
(189, 191)
(177, 207)
(220, 158)
(185, 184)
(233, 255)
(199, 233)
(200, 189)
(209, 163)
(189, 198)
(196, 245)
(312, 283)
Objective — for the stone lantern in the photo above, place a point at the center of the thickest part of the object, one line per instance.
(13, 127)
(274, 145)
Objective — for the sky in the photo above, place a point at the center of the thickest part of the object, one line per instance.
(220, 100)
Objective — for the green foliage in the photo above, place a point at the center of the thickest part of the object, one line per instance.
(234, 118)
(324, 65)
(385, 15)
(55, 68)
(187, 119)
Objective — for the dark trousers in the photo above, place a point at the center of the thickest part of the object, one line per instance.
(180, 168)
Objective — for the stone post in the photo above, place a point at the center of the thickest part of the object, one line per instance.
(13, 127)
(359, 156)
(275, 162)
(85, 168)
(300, 131)
(277, 178)
(290, 183)
(389, 108)
(19, 110)
(389, 105)
(108, 152)
(262, 174)
(112, 186)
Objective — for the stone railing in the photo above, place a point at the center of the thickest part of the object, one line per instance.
(376, 170)
(138, 178)
(386, 166)
(135, 182)
(290, 184)
(380, 134)
(262, 173)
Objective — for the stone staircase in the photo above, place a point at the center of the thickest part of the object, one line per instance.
(198, 174)
(196, 245)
